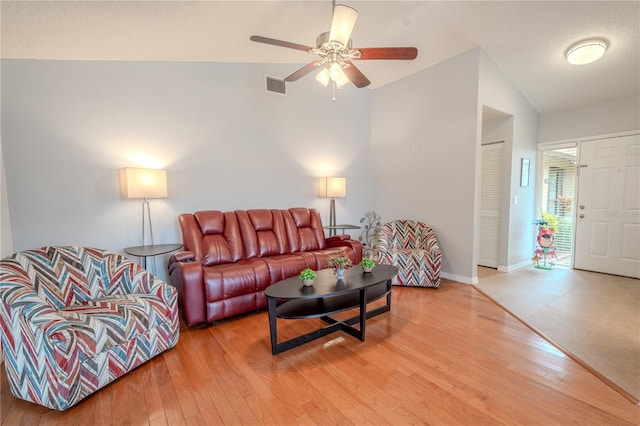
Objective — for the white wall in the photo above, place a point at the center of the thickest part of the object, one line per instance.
(226, 144)
(611, 117)
(424, 154)
(498, 93)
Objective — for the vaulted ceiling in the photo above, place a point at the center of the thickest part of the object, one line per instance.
(526, 39)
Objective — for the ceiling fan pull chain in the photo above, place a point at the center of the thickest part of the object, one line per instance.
(334, 91)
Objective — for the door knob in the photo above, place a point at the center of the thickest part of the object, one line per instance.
(581, 216)
(581, 207)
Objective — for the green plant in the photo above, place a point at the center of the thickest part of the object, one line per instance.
(367, 262)
(552, 221)
(340, 261)
(307, 274)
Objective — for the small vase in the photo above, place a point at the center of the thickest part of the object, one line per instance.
(307, 283)
(367, 269)
(340, 273)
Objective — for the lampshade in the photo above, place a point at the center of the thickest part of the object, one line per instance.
(324, 76)
(333, 73)
(332, 187)
(586, 52)
(344, 19)
(143, 183)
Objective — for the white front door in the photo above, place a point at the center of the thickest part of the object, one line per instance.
(490, 204)
(608, 207)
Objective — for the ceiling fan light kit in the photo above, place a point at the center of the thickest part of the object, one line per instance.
(335, 52)
(344, 19)
(586, 51)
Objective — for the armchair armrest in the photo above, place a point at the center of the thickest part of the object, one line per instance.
(20, 300)
(123, 276)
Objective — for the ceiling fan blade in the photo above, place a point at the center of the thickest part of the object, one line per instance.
(405, 53)
(303, 71)
(281, 43)
(355, 75)
(344, 19)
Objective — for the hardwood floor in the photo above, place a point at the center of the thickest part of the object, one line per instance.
(592, 317)
(445, 356)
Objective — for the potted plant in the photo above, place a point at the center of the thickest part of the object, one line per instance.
(340, 263)
(367, 264)
(307, 276)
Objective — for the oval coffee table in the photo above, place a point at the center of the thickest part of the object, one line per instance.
(326, 297)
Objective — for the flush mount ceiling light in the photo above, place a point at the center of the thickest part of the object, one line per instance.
(586, 51)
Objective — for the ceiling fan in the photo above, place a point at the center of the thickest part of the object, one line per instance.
(336, 54)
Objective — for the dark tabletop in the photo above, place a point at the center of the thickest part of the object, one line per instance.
(326, 284)
(152, 250)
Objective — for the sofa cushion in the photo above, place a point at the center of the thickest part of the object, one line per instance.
(304, 229)
(106, 322)
(235, 279)
(263, 232)
(234, 288)
(221, 241)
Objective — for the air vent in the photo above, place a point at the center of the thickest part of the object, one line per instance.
(276, 85)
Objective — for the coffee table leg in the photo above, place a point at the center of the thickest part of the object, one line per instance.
(389, 295)
(363, 311)
(271, 303)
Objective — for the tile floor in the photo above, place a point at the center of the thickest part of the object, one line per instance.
(595, 317)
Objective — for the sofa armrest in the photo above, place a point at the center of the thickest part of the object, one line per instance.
(335, 238)
(355, 245)
(183, 256)
(188, 278)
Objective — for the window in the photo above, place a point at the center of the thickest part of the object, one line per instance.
(557, 192)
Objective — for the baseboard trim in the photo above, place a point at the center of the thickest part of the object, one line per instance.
(514, 267)
(459, 278)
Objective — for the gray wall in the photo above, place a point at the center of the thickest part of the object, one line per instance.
(622, 115)
(68, 127)
(6, 239)
(496, 92)
(427, 132)
(424, 155)
(408, 149)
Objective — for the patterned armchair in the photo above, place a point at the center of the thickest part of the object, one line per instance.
(74, 319)
(413, 248)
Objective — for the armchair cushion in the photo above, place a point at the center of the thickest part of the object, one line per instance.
(73, 319)
(413, 248)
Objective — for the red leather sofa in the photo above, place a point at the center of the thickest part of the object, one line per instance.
(230, 258)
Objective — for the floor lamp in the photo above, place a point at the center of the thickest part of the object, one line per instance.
(144, 184)
(332, 187)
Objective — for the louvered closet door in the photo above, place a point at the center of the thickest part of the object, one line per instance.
(491, 204)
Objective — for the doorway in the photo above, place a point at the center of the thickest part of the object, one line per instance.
(557, 192)
(491, 204)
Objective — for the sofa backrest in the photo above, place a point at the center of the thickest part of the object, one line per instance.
(213, 236)
(263, 232)
(304, 229)
(217, 237)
